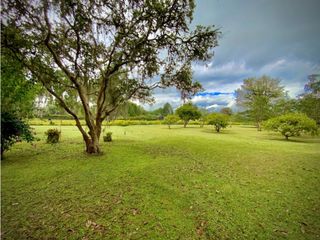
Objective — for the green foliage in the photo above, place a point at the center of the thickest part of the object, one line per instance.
(292, 124)
(218, 120)
(103, 53)
(13, 129)
(188, 112)
(309, 102)
(257, 95)
(313, 86)
(107, 137)
(284, 105)
(167, 109)
(171, 119)
(310, 105)
(17, 92)
(53, 135)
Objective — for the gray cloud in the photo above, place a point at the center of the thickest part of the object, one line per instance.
(279, 38)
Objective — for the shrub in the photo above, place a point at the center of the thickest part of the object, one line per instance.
(13, 130)
(53, 135)
(292, 124)
(188, 112)
(171, 119)
(219, 120)
(107, 137)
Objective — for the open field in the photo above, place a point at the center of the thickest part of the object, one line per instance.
(156, 183)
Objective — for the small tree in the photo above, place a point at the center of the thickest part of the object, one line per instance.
(292, 124)
(13, 130)
(219, 120)
(171, 119)
(188, 112)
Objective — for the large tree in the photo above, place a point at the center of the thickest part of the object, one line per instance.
(309, 102)
(105, 52)
(167, 109)
(257, 95)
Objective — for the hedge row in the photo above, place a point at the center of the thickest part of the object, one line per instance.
(56, 122)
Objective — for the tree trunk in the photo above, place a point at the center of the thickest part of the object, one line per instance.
(185, 124)
(92, 138)
(258, 126)
(287, 137)
(92, 143)
(92, 147)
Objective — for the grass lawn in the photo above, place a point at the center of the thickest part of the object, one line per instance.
(156, 183)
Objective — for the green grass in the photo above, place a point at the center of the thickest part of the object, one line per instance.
(155, 183)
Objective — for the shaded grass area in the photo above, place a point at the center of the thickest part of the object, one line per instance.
(155, 183)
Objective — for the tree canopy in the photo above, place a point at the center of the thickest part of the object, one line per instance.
(257, 96)
(171, 119)
(167, 109)
(309, 102)
(188, 112)
(17, 92)
(106, 52)
(292, 124)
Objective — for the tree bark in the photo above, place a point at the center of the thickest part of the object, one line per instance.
(258, 126)
(92, 147)
(185, 124)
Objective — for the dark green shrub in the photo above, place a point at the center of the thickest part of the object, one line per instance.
(53, 135)
(107, 137)
(13, 130)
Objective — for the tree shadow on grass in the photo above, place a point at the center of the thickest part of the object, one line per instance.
(222, 132)
(295, 140)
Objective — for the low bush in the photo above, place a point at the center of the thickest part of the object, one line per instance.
(13, 130)
(53, 135)
(292, 124)
(171, 119)
(107, 137)
(218, 120)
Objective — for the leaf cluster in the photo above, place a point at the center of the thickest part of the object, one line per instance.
(292, 124)
(13, 129)
(188, 112)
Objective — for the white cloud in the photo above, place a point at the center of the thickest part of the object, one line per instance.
(230, 68)
(212, 106)
(229, 76)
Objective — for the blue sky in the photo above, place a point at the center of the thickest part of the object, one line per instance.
(279, 38)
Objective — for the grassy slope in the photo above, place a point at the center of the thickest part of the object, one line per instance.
(155, 183)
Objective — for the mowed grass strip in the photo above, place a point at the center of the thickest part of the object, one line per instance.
(156, 183)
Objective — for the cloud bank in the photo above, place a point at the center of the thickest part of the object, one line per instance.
(275, 38)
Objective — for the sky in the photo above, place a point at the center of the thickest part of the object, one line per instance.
(278, 38)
